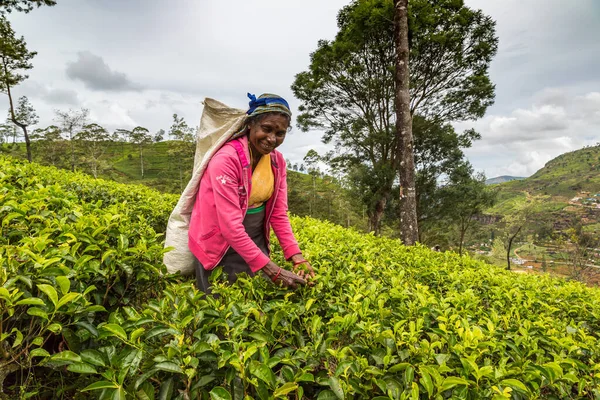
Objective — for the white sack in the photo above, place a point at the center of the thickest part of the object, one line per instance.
(217, 124)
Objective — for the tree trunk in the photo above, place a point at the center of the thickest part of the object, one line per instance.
(16, 122)
(314, 199)
(409, 231)
(72, 150)
(510, 242)
(376, 215)
(462, 239)
(27, 143)
(142, 160)
(464, 226)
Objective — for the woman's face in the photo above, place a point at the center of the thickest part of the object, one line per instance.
(268, 133)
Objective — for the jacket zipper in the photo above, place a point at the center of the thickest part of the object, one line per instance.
(268, 217)
(245, 175)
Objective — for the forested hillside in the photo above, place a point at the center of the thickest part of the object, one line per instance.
(550, 221)
(568, 176)
(563, 177)
(310, 192)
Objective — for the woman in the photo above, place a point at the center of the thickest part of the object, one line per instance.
(242, 195)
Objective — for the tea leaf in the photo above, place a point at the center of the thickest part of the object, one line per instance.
(50, 292)
(220, 393)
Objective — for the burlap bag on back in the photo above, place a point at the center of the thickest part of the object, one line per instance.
(217, 124)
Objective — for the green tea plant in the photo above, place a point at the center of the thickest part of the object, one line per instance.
(64, 262)
(87, 311)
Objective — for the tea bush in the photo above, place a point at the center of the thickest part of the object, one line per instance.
(86, 312)
(65, 260)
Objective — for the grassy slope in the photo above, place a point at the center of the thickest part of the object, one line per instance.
(560, 179)
(323, 199)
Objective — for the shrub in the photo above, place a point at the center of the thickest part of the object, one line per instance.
(381, 321)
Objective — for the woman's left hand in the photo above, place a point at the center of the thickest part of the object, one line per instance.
(302, 267)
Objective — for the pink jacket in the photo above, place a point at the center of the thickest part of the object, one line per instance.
(221, 205)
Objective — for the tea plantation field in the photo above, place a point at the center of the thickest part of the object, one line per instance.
(88, 312)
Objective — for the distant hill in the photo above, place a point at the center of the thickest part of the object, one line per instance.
(502, 179)
(566, 175)
(560, 180)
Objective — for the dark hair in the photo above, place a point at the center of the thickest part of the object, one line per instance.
(255, 119)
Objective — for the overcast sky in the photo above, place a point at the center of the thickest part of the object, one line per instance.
(136, 62)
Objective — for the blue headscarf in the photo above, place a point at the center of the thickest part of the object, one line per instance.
(265, 103)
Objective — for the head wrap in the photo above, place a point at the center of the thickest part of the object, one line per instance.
(265, 103)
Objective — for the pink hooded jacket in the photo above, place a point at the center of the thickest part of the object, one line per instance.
(227, 183)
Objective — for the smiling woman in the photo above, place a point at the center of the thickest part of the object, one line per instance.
(242, 195)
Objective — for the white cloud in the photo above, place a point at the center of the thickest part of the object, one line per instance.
(522, 142)
(46, 93)
(182, 51)
(112, 115)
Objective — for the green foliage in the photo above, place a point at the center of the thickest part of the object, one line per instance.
(323, 197)
(15, 56)
(349, 91)
(25, 113)
(141, 137)
(23, 5)
(118, 161)
(182, 148)
(91, 142)
(381, 321)
(67, 256)
(16, 59)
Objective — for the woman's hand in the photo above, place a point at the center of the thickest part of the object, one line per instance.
(282, 276)
(302, 267)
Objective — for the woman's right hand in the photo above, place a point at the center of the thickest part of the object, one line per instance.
(283, 276)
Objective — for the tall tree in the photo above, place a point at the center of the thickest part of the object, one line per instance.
(580, 250)
(140, 136)
(25, 117)
(93, 139)
(50, 144)
(516, 223)
(349, 88)
(312, 159)
(71, 122)
(409, 230)
(8, 6)
(438, 154)
(181, 147)
(9, 130)
(464, 196)
(159, 135)
(15, 58)
(120, 136)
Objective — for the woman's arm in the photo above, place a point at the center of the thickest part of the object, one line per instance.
(280, 222)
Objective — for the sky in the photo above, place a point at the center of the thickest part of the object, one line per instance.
(137, 62)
